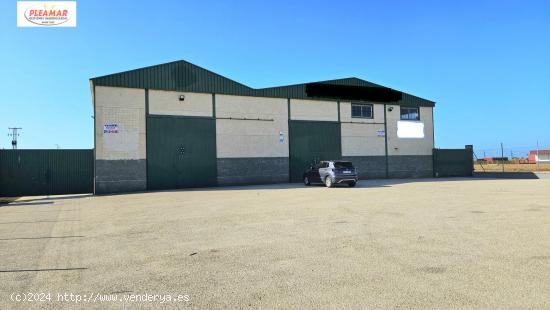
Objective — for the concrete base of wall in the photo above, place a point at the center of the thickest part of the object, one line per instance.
(410, 166)
(257, 170)
(369, 167)
(119, 176)
(403, 166)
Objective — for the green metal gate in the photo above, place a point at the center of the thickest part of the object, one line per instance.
(46, 172)
(310, 142)
(181, 152)
(453, 162)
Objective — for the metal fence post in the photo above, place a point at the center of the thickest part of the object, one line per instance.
(502, 155)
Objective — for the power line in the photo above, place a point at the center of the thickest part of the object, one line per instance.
(14, 134)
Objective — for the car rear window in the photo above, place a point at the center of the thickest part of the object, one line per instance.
(342, 164)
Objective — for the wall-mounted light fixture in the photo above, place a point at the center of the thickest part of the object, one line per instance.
(390, 109)
(182, 97)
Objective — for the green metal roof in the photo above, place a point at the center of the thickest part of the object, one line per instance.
(187, 77)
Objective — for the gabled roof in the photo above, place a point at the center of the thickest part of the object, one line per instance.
(299, 90)
(178, 75)
(186, 77)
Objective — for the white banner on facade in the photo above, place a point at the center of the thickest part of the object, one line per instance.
(410, 129)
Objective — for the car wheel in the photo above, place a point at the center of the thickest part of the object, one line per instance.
(306, 181)
(352, 184)
(328, 182)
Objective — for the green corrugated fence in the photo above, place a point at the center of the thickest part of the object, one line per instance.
(453, 162)
(46, 172)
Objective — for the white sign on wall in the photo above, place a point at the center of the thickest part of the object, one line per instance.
(46, 13)
(381, 133)
(281, 137)
(410, 129)
(110, 128)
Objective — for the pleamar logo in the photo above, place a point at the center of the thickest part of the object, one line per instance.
(48, 14)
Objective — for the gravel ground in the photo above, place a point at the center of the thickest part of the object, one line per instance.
(447, 243)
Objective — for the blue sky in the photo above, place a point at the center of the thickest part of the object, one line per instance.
(485, 63)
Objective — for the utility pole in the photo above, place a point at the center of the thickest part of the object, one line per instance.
(502, 155)
(537, 159)
(14, 134)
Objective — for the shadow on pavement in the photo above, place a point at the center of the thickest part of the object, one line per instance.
(39, 238)
(34, 222)
(36, 201)
(362, 184)
(510, 175)
(13, 204)
(370, 183)
(38, 270)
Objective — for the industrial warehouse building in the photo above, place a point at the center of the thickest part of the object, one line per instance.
(177, 125)
(539, 157)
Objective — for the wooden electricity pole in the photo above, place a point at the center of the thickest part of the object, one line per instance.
(502, 155)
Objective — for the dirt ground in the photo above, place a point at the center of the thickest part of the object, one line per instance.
(446, 243)
(511, 167)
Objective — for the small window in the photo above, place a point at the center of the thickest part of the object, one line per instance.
(342, 165)
(410, 114)
(361, 110)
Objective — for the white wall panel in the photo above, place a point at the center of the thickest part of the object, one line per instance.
(362, 140)
(313, 110)
(168, 103)
(410, 146)
(251, 138)
(124, 107)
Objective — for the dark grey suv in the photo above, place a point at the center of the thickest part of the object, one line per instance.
(331, 172)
